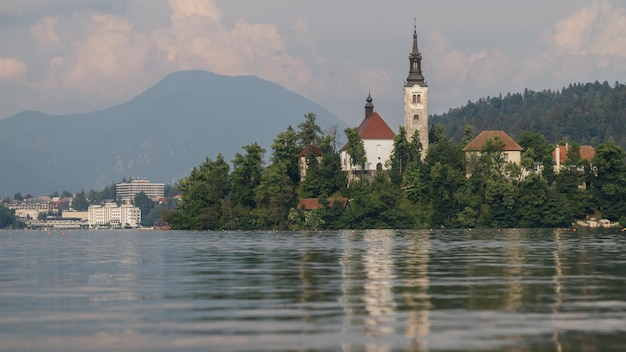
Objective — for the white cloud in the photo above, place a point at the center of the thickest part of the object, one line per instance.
(12, 69)
(110, 58)
(591, 39)
(44, 32)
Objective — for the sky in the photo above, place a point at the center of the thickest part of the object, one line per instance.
(69, 56)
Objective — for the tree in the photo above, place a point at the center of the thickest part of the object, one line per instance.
(309, 131)
(79, 202)
(324, 176)
(275, 196)
(610, 182)
(400, 157)
(7, 218)
(246, 175)
(145, 204)
(202, 192)
(355, 149)
(285, 150)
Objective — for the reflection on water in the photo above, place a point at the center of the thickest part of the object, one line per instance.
(452, 290)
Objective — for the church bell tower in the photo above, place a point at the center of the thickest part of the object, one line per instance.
(416, 98)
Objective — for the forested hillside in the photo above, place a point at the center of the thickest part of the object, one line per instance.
(590, 113)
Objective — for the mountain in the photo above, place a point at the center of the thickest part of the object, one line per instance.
(590, 113)
(161, 134)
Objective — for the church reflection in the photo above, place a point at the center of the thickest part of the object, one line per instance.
(378, 295)
(416, 283)
(385, 286)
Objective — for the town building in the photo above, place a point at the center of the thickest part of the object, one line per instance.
(511, 150)
(375, 132)
(114, 216)
(126, 191)
(559, 155)
(30, 208)
(377, 140)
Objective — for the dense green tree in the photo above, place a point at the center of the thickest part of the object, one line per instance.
(311, 184)
(79, 202)
(400, 157)
(588, 113)
(610, 182)
(202, 194)
(107, 193)
(309, 132)
(246, 175)
(333, 179)
(285, 149)
(7, 218)
(275, 196)
(356, 150)
(145, 204)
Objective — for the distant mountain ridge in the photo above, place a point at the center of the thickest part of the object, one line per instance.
(161, 134)
(590, 113)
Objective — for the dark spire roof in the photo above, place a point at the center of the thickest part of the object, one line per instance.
(415, 69)
(369, 107)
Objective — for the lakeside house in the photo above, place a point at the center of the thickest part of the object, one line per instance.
(511, 150)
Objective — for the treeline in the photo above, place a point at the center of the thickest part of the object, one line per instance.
(591, 113)
(415, 191)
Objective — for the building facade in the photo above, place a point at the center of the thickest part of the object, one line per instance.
(416, 99)
(377, 140)
(113, 215)
(378, 137)
(126, 191)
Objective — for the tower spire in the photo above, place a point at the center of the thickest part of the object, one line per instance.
(415, 61)
(369, 107)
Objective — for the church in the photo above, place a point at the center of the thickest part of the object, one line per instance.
(376, 134)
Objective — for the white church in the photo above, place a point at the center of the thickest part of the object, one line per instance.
(377, 136)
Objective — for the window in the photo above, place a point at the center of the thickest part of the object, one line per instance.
(506, 156)
(417, 99)
(414, 99)
(416, 117)
(379, 149)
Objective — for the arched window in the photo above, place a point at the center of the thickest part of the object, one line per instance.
(414, 99)
(379, 166)
(416, 117)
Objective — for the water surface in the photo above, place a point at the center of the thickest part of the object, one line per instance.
(449, 290)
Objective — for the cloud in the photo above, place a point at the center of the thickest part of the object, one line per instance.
(12, 69)
(44, 32)
(111, 57)
(198, 39)
(599, 29)
(587, 42)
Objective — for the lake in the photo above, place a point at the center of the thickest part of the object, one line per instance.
(375, 290)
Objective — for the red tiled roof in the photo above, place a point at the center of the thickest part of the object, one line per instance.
(316, 150)
(586, 152)
(479, 142)
(374, 127)
(313, 203)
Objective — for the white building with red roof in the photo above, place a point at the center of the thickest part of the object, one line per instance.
(377, 140)
(377, 136)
